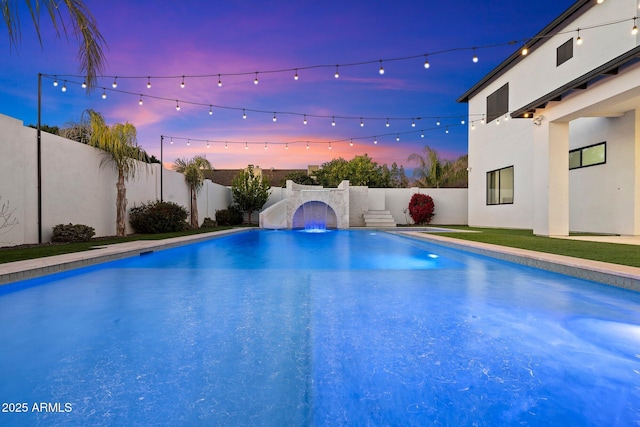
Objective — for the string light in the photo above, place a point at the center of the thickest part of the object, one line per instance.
(64, 86)
(219, 81)
(295, 76)
(208, 145)
(361, 122)
(333, 121)
(177, 106)
(149, 82)
(462, 122)
(171, 142)
(482, 119)
(413, 123)
(265, 145)
(387, 125)
(438, 122)
(473, 126)
(351, 143)
(188, 142)
(244, 114)
(329, 146)
(422, 134)
(381, 70)
(506, 117)
(286, 146)
(84, 84)
(182, 83)
(274, 117)
(447, 130)
(211, 110)
(246, 146)
(305, 119)
(426, 62)
(634, 30)
(307, 145)
(115, 82)
(255, 81)
(398, 137)
(55, 82)
(336, 75)
(104, 93)
(140, 101)
(579, 39)
(475, 57)
(226, 145)
(375, 139)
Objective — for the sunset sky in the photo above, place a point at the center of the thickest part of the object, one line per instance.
(197, 37)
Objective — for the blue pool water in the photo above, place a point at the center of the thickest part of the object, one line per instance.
(287, 328)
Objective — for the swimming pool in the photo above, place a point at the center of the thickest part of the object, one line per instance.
(338, 328)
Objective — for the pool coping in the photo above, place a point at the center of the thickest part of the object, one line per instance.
(618, 275)
(28, 269)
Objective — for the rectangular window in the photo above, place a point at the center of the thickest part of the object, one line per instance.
(498, 103)
(592, 155)
(564, 52)
(500, 186)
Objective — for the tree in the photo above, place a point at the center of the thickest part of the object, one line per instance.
(250, 191)
(119, 142)
(84, 25)
(361, 170)
(398, 176)
(193, 171)
(55, 130)
(299, 177)
(435, 172)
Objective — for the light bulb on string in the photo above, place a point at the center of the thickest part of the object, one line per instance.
(506, 117)
(244, 114)
(295, 76)
(305, 119)
(255, 81)
(351, 143)
(188, 142)
(413, 123)
(84, 84)
(333, 121)
(579, 39)
(226, 145)
(634, 30)
(274, 117)
(438, 122)
(219, 81)
(246, 146)
(140, 101)
(265, 145)
(446, 130)
(337, 74)
(482, 119)
(211, 110)
(497, 122)
(177, 106)
(55, 81)
(375, 139)
(387, 125)
(208, 145)
(307, 145)
(475, 57)
(473, 125)
(149, 82)
(398, 137)
(182, 83)
(171, 142)
(115, 82)
(104, 93)
(329, 146)
(286, 146)
(361, 122)
(421, 134)
(64, 86)
(462, 122)
(381, 70)
(426, 61)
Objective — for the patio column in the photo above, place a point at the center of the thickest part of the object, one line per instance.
(551, 178)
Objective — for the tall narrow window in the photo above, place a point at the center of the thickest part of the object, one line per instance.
(498, 103)
(564, 52)
(500, 186)
(591, 155)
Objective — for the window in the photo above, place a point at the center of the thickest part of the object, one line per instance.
(592, 155)
(498, 103)
(500, 186)
(564, 52)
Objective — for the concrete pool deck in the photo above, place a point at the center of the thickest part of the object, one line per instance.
(611, 274)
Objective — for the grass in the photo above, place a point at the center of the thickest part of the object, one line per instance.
(24, 252)
(525, 239)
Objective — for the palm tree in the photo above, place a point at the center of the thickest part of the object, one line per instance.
(433, 172)
(193, 171)
(119, 142)
(85, 30)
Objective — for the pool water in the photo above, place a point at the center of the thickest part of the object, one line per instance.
(287, 328)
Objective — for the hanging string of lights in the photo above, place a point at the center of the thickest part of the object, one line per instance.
(526, 42)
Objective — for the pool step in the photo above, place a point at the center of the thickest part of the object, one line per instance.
(379, 219)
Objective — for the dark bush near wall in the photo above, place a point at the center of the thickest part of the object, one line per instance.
(208, 223)
(69, 233)
(421, 208)
(229, 216)
(158, 217)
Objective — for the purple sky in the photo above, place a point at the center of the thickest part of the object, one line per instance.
(196, 37)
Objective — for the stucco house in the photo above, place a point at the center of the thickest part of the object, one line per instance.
(554, 134)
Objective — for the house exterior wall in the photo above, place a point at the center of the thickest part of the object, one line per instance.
(547, 196)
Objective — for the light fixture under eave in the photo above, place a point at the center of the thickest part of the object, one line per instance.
(525, 51)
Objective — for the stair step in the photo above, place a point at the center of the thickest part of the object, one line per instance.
(379, 219)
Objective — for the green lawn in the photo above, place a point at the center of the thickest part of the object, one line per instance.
(38, 251)
(525, 239)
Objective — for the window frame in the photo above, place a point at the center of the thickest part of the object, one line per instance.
(498, 187)
(566, 49)
(581, 149)
(498, 103)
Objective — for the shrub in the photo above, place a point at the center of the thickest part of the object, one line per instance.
(158, 217)
(230, 216)
(208, 223)
(421, 208)
(72, 233)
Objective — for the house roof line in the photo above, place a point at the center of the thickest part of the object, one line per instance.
(609, 68)
(569, 15)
